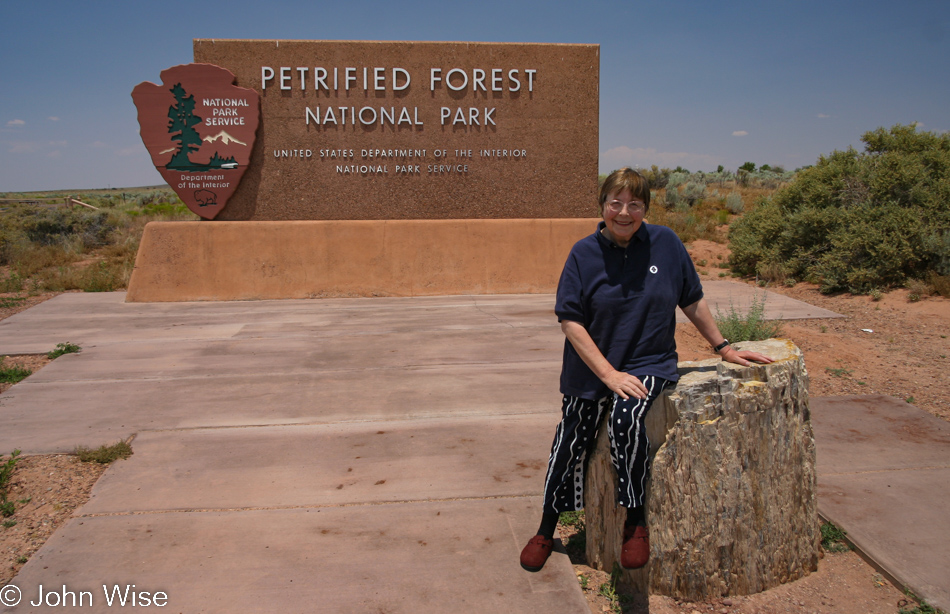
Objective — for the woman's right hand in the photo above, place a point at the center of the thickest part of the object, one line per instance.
(625, 385)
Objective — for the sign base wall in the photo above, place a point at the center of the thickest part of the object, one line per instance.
(225, 261)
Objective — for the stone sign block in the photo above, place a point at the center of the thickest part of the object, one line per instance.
(416, 130)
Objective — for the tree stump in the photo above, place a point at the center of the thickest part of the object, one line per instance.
(732, 501)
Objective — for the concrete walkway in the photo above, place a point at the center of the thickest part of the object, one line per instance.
(883, 475)
(339, 455)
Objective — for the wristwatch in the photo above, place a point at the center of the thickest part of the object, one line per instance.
(722, 345)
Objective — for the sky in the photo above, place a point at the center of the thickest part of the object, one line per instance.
(692, 84)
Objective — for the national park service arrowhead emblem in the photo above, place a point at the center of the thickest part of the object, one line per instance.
(199, 129)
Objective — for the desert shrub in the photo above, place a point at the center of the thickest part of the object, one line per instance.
(152, 198)
(672, 198)
(658, 177)
(688, 223)
(919, 288)
(28, 259)
(58, 226)
(677, 179)
(101, 276)
(734, 203)
(941, 262)
(940, 283)
(856, 221)
(694, 192)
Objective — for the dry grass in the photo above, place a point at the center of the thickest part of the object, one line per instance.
(57, 249)
(708, 218)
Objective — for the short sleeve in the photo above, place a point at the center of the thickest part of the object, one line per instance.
(692, 287)
(570, 304)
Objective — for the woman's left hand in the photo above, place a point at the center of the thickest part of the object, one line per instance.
(743, 357)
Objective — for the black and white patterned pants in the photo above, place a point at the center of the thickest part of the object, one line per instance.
(576, 434)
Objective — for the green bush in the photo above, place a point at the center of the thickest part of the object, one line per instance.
(856, 221)
(750, 326)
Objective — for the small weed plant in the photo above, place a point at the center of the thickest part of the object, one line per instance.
(572, 519)
(833, 538)
(577, 543)
(838, 372)
(63, 348)
(919, 605)
(12, 283)
(104, 454)
(13, 373)
(9, 302)
(608, 590)
(749, 326)
(583, 580)
(6, 474)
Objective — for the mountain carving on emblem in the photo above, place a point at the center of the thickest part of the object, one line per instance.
(224, 137)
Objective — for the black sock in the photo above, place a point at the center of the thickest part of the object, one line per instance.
(635, 517)
(548, 525)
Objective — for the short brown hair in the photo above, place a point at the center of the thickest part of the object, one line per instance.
(625, 179)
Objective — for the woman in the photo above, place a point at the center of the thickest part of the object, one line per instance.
(616, 302)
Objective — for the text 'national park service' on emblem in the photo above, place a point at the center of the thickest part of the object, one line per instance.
(199, 129)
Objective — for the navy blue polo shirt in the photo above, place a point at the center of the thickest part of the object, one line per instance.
(626, 298)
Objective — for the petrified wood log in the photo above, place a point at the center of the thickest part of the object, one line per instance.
(731, 502)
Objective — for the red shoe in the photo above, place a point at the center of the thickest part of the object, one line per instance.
(636, 547)
(536, 553)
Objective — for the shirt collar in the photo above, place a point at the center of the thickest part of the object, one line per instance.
(639, 235)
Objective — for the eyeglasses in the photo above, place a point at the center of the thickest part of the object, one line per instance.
(615, 206)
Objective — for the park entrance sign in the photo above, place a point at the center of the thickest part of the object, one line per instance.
(414, 130)
(374, 169)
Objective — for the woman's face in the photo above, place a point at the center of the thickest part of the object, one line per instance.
(623, 216)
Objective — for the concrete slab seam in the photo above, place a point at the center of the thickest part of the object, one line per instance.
(421, 418)
(217, 510)
(302, 371)
(491, 315)
(870, 471)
